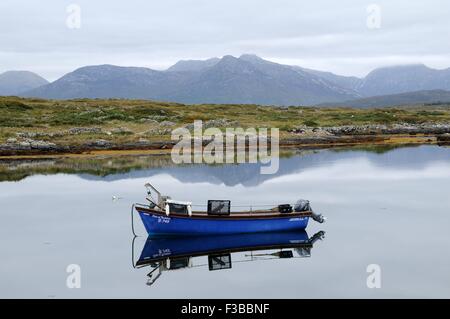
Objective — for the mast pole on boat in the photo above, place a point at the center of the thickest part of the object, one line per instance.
(150, 189)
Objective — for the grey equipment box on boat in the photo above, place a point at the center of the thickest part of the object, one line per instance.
(219, 207)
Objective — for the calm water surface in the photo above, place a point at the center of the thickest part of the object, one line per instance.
(391, 209)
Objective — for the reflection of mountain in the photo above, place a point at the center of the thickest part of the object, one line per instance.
(249, 174)
(124, 167)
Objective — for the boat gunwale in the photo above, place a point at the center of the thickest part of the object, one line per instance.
(246, 215)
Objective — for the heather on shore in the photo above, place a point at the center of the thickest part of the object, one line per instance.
(100, 123)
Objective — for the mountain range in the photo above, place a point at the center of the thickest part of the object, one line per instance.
(247, 79)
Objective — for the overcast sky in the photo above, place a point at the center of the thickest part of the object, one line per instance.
(322, 34)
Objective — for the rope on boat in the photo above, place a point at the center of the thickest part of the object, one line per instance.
(132, 220)
(132, 251)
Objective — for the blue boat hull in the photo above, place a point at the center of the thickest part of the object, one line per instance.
(157, 224)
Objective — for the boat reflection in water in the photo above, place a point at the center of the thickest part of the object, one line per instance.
(172, 253)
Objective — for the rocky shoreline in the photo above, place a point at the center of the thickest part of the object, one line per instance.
(32, 143)
(375, 129)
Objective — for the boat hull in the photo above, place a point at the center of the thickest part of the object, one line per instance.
(157, 224)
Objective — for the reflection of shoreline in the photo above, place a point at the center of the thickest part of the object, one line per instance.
(110, 168)
(173, 253)
(163, 147)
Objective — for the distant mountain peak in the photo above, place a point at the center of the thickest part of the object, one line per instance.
(16, 82)
(109, 67)
(250, 57)
(21, 73)
(404, 78)
(228, 57)
(192, 65)
(401, 67)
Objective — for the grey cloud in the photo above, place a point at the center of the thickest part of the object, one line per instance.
(325, 34)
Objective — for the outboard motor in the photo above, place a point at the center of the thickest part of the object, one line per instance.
(302, 205)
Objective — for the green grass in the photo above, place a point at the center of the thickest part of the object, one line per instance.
(39, 115)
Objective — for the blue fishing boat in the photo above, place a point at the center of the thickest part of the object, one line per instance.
(164, 216)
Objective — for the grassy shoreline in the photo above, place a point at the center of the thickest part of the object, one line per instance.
(40, 127)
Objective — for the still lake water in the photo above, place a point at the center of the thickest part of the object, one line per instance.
(388, 208)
